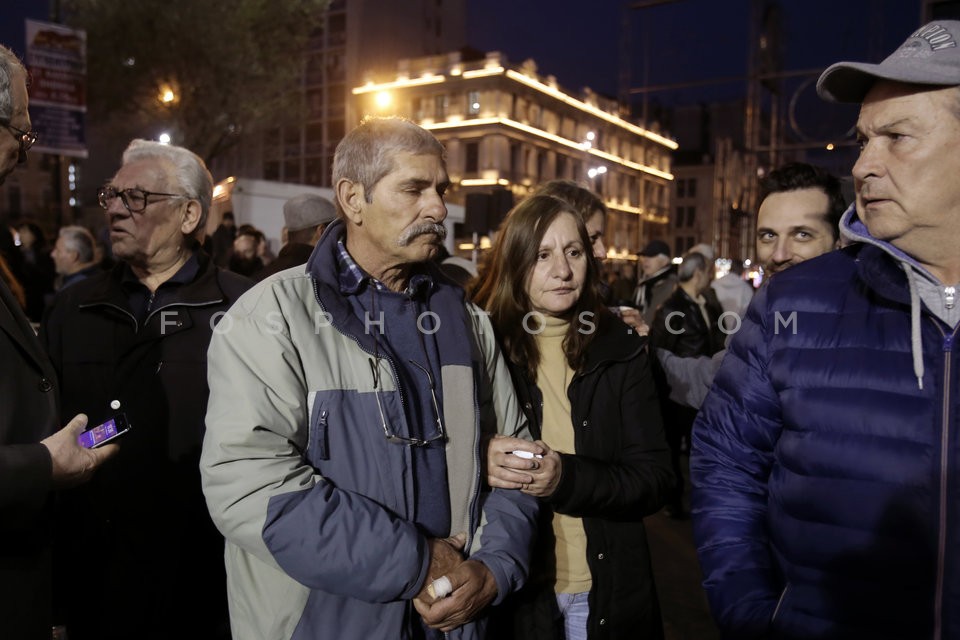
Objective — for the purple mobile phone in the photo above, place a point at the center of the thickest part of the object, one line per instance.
(101, 434)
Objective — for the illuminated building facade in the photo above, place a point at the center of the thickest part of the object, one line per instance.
(507, 129)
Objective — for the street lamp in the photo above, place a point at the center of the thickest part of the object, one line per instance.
(594, 172)
(383, 99)
(167, 96)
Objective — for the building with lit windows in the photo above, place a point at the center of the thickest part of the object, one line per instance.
(507, 129)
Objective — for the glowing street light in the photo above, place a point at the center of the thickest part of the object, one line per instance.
(593, 172)
(383, 99)
(164, 138)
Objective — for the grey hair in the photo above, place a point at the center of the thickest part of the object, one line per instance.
(9, 63)
(366, 154)
(190, 174)
(79, 239)
(692, 262)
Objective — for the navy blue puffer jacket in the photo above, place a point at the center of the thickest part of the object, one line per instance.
(826, 478)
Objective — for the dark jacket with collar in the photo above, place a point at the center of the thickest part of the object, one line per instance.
(146, 502)
(680, 328)
(28, 414)
(619, 475)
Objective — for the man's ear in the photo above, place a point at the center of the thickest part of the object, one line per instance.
(351, 198)
(191, 218)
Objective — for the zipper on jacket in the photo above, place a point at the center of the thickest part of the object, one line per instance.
(783, 596)
(189, 305)
(944, 464)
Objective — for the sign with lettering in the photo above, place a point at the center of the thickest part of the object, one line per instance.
(57, 62)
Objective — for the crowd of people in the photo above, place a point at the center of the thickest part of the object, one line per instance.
(351, 439)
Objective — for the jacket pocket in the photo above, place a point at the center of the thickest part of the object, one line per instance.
(318, 432)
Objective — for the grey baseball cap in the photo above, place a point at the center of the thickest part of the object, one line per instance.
(930, 56)
(307, 210)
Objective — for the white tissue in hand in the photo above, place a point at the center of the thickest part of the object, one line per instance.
(440, 588)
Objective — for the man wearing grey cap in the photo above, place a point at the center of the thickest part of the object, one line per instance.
(825, 459)
(305, 217)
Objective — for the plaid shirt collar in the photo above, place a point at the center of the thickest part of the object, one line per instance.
(352, 277)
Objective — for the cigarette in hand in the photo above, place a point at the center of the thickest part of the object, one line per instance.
(440, 588)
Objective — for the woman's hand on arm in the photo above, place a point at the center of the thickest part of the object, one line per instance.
(506, 469)
(546, 475)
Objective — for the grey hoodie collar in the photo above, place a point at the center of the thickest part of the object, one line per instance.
(938, 298)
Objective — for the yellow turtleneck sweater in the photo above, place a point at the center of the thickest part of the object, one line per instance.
(553, 378)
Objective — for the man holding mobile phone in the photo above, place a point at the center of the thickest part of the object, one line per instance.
(35, 457)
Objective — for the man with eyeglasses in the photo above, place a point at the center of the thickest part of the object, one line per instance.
(36, 456)
(13, 114)
(134, 340)
(350, 402)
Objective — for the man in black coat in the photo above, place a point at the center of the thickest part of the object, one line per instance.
(137, 337)
(687, 325)
(35, 456)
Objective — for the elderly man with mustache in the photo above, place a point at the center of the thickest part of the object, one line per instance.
(350, 401)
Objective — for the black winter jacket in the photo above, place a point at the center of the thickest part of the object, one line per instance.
(679, 327)
(143, 512)
(28, 414)
(619, 475)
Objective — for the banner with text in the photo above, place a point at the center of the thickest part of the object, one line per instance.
(57, 61)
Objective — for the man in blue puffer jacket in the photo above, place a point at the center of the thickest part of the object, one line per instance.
(824, 460)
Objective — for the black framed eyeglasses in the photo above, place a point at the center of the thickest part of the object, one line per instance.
(387, 430)
(135, 200)
(26, 139)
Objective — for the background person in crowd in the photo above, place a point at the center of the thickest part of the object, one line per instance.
(587, 205)
(799, 216)
(733, 292)
(342, 457)
(36, 456)
(221, 240)
(246, 258)
(304, 217)
(136, 337)
(824, 456)
(798, 219)
(585, 380)
(686, 325)
(74, 255)
(659, 279)
(38, 269)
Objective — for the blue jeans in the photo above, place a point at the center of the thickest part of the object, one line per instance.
(574, 609)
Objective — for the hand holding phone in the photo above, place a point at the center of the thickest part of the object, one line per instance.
(103, 433)
(71, 462)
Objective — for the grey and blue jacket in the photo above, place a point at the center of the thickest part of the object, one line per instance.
(314, 502)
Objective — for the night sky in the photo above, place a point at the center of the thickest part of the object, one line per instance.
(688, 40)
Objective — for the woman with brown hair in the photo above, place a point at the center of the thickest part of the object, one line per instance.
(600, 463)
